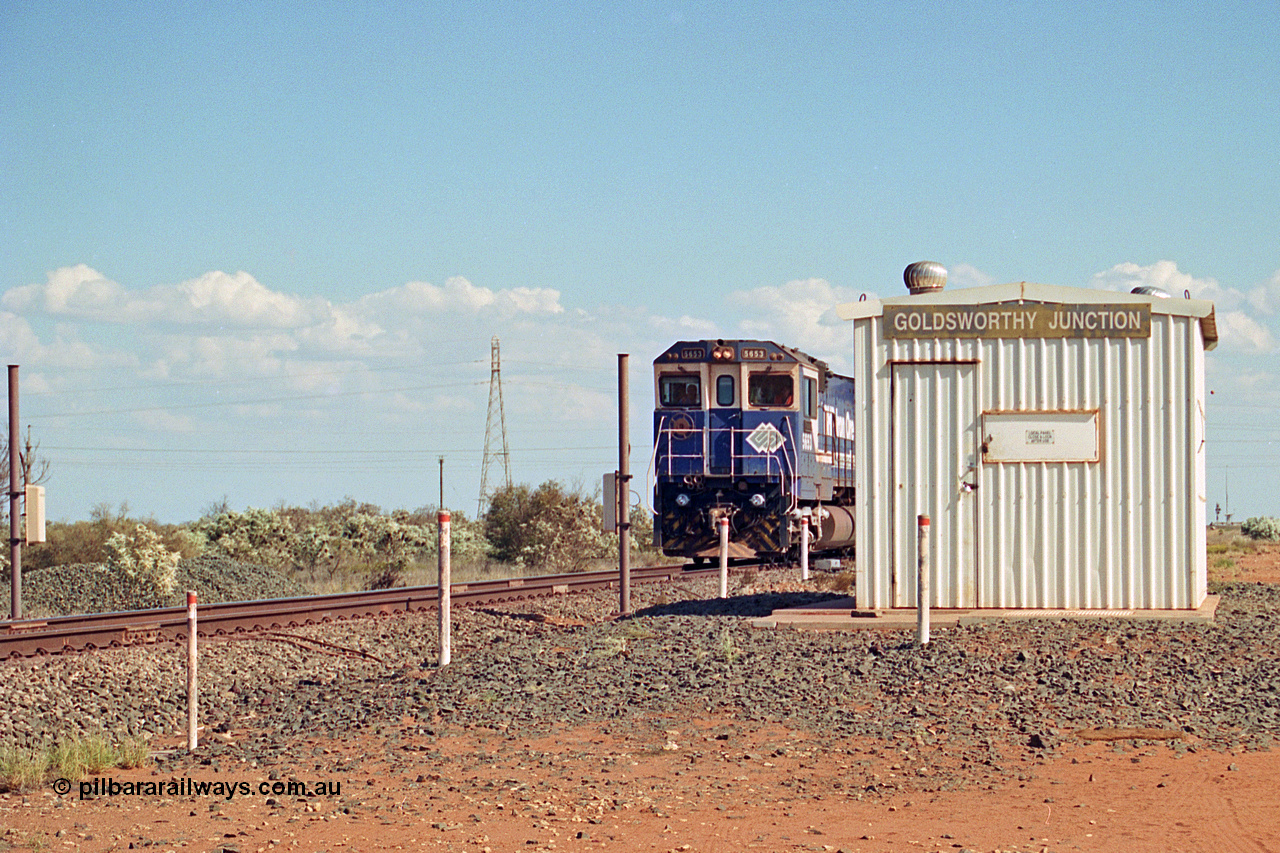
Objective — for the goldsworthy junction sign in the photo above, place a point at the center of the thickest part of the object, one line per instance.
(1018, 320)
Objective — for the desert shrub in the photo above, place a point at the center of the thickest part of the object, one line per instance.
(467, 542)
(86, 541)
(386, 574)
(551, 527)
(260, 536)
(1261, 528)
(349, 542)
(390, 537)
(642, 533)
(140, 557)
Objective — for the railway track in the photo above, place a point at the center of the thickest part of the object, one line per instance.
(29, 637)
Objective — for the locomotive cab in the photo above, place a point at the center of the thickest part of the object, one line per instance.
(742, 431)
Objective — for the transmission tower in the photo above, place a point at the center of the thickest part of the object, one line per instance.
(495, 420)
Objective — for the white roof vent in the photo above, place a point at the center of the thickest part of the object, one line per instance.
(925, 277)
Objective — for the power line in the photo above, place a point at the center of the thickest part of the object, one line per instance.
(255, 402)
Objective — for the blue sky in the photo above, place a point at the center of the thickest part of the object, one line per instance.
(258, 250)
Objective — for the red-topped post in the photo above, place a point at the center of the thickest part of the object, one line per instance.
(193, 694)
(443, 587)
(922, 580)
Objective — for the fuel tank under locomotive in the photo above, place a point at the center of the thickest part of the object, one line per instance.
(833, 528)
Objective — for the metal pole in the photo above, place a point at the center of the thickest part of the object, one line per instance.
(724, 557)
(441, 506)
(804, 547)
(922, 580)
(193, 699)
(15, 470)
(443, 587)
(624, 488)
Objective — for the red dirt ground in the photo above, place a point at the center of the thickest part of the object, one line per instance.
(1261, 566)
(715, 787)
(720, 785)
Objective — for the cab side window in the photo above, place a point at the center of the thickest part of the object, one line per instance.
(810, 401)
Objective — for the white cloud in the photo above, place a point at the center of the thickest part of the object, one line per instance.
(460, 295)
(1166, 275)
(799, 314)
(237, 299)
(1240, 328)
(342, 331)
(78, 290)
(214, 298)
(683, 327)
(16, 336)
(965, 275)
(1240, 331)
(529, 300)
(1266, 296)
(164, 421)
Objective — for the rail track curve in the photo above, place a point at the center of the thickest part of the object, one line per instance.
(57, 635)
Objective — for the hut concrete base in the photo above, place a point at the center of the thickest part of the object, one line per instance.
(842, 614)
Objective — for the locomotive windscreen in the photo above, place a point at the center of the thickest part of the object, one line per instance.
(770, 389)
(679, 391)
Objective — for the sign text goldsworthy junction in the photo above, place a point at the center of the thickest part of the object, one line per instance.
(1014, 320)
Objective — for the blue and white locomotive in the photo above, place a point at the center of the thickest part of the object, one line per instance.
(755, 432)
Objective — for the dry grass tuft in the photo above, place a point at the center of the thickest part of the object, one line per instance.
(838, 582)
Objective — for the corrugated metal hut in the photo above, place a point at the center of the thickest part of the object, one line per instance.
(1055, 437)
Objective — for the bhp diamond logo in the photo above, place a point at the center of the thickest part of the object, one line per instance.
(765, 438)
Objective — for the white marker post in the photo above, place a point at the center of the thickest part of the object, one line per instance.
(922, 580)
(193, 699)
(724, 557)
(804, 547)
(443, 587)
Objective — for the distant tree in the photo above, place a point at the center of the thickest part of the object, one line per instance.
(550, 527)
(34, 468)
(86, 541)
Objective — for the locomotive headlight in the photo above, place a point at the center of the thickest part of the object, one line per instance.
(757, 500)
(682, 500)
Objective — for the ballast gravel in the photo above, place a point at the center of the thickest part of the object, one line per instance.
(984, 693)
(91, 588)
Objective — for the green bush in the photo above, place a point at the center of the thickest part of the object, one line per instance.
(259, 536)
(86, 541)
(552, 528)
(142, 559)
(1261, 528)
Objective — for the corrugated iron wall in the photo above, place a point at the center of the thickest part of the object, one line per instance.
(1124, 532)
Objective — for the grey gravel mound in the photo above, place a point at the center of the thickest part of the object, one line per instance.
(91, 588)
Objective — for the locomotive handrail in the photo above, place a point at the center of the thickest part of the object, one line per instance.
(795, 473)
(786, 470)
(841, 449)
(651, 473)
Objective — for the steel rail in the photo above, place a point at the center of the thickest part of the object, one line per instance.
(61, 634)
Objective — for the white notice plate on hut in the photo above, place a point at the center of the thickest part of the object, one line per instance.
(1040, 436)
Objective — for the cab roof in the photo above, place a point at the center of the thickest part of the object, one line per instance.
(743, 351)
